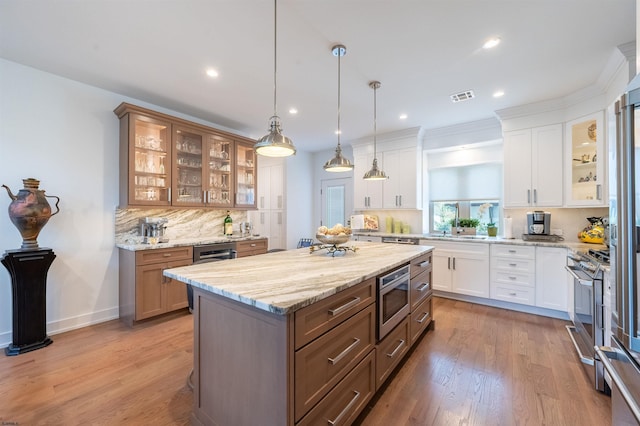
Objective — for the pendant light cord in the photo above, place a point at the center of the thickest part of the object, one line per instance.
(275, 56)
(375, 119)
(339, 56)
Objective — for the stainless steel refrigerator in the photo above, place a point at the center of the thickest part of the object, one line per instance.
(622, 359)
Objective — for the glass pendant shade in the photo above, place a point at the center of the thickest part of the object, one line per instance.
(375, 173)
(275, 144)
(338, 163)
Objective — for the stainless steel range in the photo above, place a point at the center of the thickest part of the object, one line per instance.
(588, 311)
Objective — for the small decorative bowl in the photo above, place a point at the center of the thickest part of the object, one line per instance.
(333, 239)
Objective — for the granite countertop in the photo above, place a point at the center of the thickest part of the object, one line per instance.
(574, 246)
(135, 244)
(283, 282)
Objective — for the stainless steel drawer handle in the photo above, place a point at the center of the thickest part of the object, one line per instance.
(345, 410)
(424, 264)
(513, 293)
(513, 264)
(395, 351)
(334, 361)
(512, 251)
(513, 278)
(344, 307)
(166, 255)
(424, 317)
(423, 287)
(253, 245)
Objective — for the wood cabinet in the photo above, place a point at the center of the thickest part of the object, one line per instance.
(552, 290)
(585, 160)
(168, 161)
(461, 268)
(143, 291)
(533, 167)
(420, 297)
(513, 273)
(391, 350)
(251, 247)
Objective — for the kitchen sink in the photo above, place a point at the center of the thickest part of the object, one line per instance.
(472, 237)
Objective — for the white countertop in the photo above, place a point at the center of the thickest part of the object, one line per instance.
(285, 281)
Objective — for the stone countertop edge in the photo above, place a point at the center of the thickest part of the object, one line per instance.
(181, 242)
(574, 246)
(283, 282)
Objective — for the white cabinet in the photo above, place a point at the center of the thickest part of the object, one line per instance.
(268, 220)
(585, 177)
(461, 268)
(400, 191)
(533, 161)
(552, 290)
(366, 194)
(513, 273)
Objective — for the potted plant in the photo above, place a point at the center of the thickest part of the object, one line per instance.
(466, 225)
(492, 229)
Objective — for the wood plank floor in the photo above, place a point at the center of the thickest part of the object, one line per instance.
(480, 366)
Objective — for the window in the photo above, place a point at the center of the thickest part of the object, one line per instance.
(444, 212)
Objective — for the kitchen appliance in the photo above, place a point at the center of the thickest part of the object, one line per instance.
(622, 358)
(246, 228)
(401, 240)
(588, 311)
(538, 223)
(393, 300)
(153, 229)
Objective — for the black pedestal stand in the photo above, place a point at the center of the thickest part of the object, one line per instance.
(28, 269)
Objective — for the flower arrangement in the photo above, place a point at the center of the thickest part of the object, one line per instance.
(485, 207)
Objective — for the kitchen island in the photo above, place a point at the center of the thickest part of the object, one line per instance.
(289, 337)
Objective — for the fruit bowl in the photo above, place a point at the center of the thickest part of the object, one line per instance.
(333, 239)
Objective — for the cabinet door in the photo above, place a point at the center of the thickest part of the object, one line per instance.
(471, 275)
(517, 168)
(175, 291)
(188, 167)
(149, 290)
(367, 194)
(276, 187)
(245, 177)
(149, 152)
(547, 163)
(399, 191)
(585, 161)
(441, 276)
(218, 179)
(551, 278)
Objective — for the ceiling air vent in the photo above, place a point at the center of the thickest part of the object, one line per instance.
(462, 96)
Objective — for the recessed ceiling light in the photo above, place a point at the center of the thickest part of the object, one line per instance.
(403, 116)
(491, 43)
(212, 73)
(293, 111)
(498, 94)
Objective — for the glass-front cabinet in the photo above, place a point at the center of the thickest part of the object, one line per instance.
(585, 150)
(245, 175)
(187, 178)
(149, 170)
(219, 180)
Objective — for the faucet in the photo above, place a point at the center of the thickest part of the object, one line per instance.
(457, 219)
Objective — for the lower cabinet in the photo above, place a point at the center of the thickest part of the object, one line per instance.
(251, 247)
(513, 273)
(461, 268)
(420, 319)
(390, 350)
(552, 290)
(143, 291)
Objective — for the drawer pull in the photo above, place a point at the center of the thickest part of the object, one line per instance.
(395, 351)
(512, 251)
(344, 307)
(424, 264)
(513, 293)
(513, 278)
(513, 264)
(423, 287)
(424, 317)
(166, 255)
(345, 410)
(253, 244)
(334, 361)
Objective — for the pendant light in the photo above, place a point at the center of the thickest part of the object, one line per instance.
(338, 163)
(275, 144)
(375, 173)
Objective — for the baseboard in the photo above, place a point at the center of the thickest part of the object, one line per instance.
(68, 324)
(504, 305)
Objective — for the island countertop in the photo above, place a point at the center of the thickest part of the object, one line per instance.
(283, 282)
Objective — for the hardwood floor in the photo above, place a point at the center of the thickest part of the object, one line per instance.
(480, 366)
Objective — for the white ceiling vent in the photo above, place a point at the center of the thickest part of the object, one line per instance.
(462, 96)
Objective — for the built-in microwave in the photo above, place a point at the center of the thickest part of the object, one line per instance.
(393, 299)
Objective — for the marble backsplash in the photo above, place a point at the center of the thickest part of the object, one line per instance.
(182, 223)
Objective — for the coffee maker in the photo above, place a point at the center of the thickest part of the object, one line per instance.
(153, 229)
(538, 223)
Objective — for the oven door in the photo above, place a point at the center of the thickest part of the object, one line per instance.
(393, 300)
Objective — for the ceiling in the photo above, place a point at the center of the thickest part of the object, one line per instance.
(421, 51)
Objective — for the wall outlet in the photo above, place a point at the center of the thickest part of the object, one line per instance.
(556, 231)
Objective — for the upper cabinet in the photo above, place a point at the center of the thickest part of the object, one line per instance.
(585, 178)
(167, 161)
(533, 160)
(367, 194)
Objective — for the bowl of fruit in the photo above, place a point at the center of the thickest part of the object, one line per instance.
(335, 235)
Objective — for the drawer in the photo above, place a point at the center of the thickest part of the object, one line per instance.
(321, 364)
(251, 247)
(511, 278)
(421, 264)
(343, 404)
(420, 319)
(390, 351)
(145, 257)
(513, 293)
(513, 251)
(527, 266)
(420, 288)
(314, 320)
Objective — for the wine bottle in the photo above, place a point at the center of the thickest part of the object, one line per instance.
(228, 225)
